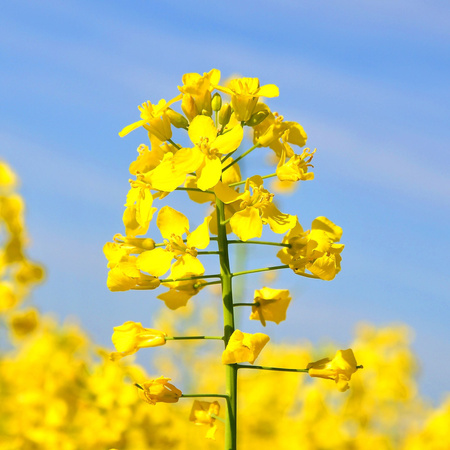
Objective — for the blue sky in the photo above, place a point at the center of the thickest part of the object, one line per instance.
(367, 80)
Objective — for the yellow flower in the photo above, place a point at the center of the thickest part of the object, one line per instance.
(8, 178)
(160, 390)
(296, 168)
(154, 119)
(315, 250)
(270, 304)
(124, 275)
(197, 92)
(205, 156)
(8, 298)
(277, 134)
(172, 225)
(139, 210)
(180, 291)
(244, 347)
(24, 322)
(131, 336)
(202, 414)
(256, 208)
(245, 93)
(339, 369)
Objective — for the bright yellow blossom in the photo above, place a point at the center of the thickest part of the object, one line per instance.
(270, 304)
(124, 275)
(245, 93)
(256, 208)
(197, 92)
(202, 414)
(159, 390)
(172, 224)
(206, 154)
(180, 291)
(339, 369)
(132, 336)
(277, 134)
(296, 168)
(244, 347)
(315, 250)
(154, 119)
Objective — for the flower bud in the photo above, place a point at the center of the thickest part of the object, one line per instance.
(257, 118)
(216, 102)
(177, 119)
(225, 114)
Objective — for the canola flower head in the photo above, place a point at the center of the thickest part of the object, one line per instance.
(204, 413)
(132, 336)
(244, 347)
(245, 93)
(159, 390)
(270, 304)
(340, 368)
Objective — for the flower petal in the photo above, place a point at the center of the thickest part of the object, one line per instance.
(247, 224)
(210, 173)
(268, 90)
(229, 141)
(170, 221)
(199, 238)
(156, 262)
(202, 127)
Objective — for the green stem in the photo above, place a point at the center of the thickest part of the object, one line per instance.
(242, 156)
(228, 321)
(174, 143)
(265, 269)
(199, 285)
(239, 183)
(204, 395)
(246, 304)
(208, 253)
(307, 275)
(278, 244)
(181, 188)
(180, 338)
(278, 369)
(218, 418)
(198, 277)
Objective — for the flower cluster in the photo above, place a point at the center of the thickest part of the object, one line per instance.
(196, 150)
(18, 274)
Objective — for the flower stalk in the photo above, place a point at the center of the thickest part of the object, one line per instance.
(228, 319)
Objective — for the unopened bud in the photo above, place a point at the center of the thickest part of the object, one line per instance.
(216, 102)
(177, 119)
(225, 114)
(257, 118)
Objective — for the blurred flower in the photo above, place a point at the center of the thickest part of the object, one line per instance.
(131, 336)
(202, 414)
(339, 369)
(23, 323)
(244, 347)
